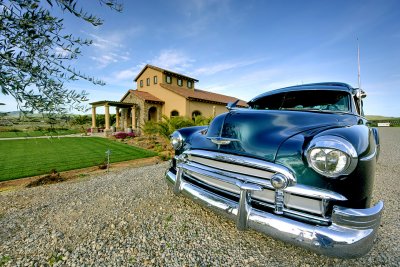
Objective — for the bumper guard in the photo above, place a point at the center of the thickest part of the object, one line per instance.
(350, 235)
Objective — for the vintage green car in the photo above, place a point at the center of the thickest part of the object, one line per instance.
(297, 165)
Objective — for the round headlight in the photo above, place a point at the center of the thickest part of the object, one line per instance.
(176, 140)
(328, 161)
(331, 156)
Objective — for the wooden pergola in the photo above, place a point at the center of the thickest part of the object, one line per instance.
(107, 104)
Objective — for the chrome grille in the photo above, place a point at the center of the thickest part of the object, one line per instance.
(228, 173)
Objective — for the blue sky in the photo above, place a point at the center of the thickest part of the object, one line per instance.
(244, 48)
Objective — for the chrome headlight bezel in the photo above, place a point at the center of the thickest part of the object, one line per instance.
(333, 144)
(176, 140)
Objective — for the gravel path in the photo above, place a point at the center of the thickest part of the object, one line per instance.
(129, 218)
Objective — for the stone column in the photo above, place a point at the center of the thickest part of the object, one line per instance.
(117, 118)
(133, 118)
(126, 121)
(94, 128)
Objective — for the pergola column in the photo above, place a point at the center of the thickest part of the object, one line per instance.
(117, 117)
(133, 118)
(94, 128)
(107, 116)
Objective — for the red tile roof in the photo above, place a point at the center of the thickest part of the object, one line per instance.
(200, 95)
(164, 71)
(144, 96)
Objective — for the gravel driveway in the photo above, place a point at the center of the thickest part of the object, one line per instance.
(129, 218)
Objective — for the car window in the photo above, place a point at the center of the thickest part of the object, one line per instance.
(305, 100)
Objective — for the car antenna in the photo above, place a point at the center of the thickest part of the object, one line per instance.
(359, 95)
(358, 64)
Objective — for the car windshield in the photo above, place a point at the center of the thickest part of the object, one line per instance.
(322, 100)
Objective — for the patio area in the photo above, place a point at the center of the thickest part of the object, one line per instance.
(125, 114)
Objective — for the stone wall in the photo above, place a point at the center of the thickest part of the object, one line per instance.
(142, 111)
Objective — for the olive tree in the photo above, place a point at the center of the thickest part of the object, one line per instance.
(35, 54)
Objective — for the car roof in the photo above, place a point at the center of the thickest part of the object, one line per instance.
(329, 86)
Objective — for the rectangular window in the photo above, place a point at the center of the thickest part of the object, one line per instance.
(148, 81)
(141, 83)
(168, 79)
(155, 80)
(180, 82)
(189, 84)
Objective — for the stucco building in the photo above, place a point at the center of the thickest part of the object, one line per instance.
(162, 92)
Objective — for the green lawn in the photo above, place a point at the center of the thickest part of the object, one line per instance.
(36, 133)
(29, 157)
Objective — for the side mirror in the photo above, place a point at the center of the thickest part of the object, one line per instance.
(360, 93)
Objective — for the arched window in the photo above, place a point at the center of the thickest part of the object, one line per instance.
(174, 113)
(152, 114)
(195, 114)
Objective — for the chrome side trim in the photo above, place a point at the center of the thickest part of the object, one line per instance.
(340, 239)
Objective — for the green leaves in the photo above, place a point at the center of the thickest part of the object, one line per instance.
(35, 51)
(168, 125)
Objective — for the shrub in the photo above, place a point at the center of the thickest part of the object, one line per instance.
(15, 130)
(39, 128)
(123, 135)
(81, 120)
(167, 126)
(52, 177)
(201, 120)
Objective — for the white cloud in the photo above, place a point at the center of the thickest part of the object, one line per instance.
(112, 49)
(126, 74)
(224, 66)
(174, 60)
(9, 103)
(104, 60)
(123, 78)
(61, 52)
(106, 44)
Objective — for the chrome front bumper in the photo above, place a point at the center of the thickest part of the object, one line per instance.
(350, 235)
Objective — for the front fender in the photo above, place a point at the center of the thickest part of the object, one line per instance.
(186, 134)
(357, 186)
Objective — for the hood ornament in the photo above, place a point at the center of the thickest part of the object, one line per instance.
(222, 140)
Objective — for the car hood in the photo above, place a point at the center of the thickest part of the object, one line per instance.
(259, 133)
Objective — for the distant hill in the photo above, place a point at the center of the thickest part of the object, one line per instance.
(16, 114)
(13, 113)
(378, 117)
(369, 117)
